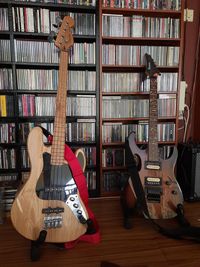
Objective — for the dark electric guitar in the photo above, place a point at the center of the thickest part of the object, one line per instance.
(162, 192)
(49, 201)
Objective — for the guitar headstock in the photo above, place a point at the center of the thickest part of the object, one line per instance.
(150, 67)
(64, 39)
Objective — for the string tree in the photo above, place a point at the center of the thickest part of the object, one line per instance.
(52, 36)
(58, 22)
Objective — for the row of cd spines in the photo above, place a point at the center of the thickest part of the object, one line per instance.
(42, 20)
(83, 81)
(112, 107)
(84, 53)
(140, 26)
(144, 4)
(84, 131)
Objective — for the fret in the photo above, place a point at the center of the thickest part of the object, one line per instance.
(63, 41)
(153, 154)
(58, 148)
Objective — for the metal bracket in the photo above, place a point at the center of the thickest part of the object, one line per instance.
(188, 15)
(74, 203)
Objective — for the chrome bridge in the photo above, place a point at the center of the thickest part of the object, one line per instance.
(153, 189)
(52, 217)
(52, 221)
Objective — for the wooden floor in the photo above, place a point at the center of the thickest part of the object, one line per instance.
(141, 246)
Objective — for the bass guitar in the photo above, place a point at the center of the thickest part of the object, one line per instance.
(162, 192)
(50, 201)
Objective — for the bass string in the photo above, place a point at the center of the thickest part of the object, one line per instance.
(56, 187)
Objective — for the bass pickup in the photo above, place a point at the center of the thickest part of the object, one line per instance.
(50, 210)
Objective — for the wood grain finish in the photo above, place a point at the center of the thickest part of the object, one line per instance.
(63, 41)
(141, 246)
(58, 144)
(161, 190)
(170, 195)
(26, 212)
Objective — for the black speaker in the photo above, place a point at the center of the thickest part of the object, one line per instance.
(188, 171)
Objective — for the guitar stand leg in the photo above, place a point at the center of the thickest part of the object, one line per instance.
(180, 215)
(126, 204)
(35, 245)
(127, 214)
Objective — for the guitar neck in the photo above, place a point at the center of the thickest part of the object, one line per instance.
(58, 145)
(153, 154)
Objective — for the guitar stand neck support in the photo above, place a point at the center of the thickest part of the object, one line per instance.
(90, 227)
(35, 245)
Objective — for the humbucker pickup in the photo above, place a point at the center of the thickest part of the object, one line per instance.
(152, 165)
(155, 181)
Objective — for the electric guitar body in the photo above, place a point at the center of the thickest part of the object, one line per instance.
(162, 191)
(49, 200)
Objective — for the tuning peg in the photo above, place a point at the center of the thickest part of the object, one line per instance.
(51, 37)
(58, 22)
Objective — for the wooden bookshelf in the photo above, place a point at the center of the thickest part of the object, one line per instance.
(16, 35)
(115, 62)
(25, 29)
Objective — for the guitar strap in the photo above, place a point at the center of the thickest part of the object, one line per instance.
(92, 235)
(184, 231)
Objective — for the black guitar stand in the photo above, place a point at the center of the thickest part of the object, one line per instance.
(184, 231)
(35, 245)
(180, 216)
(127, 209)
(128, 214)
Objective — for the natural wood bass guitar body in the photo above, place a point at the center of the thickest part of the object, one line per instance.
(26, 212)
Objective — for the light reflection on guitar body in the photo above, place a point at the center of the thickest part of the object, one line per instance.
(162, 191)
(26, 212)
